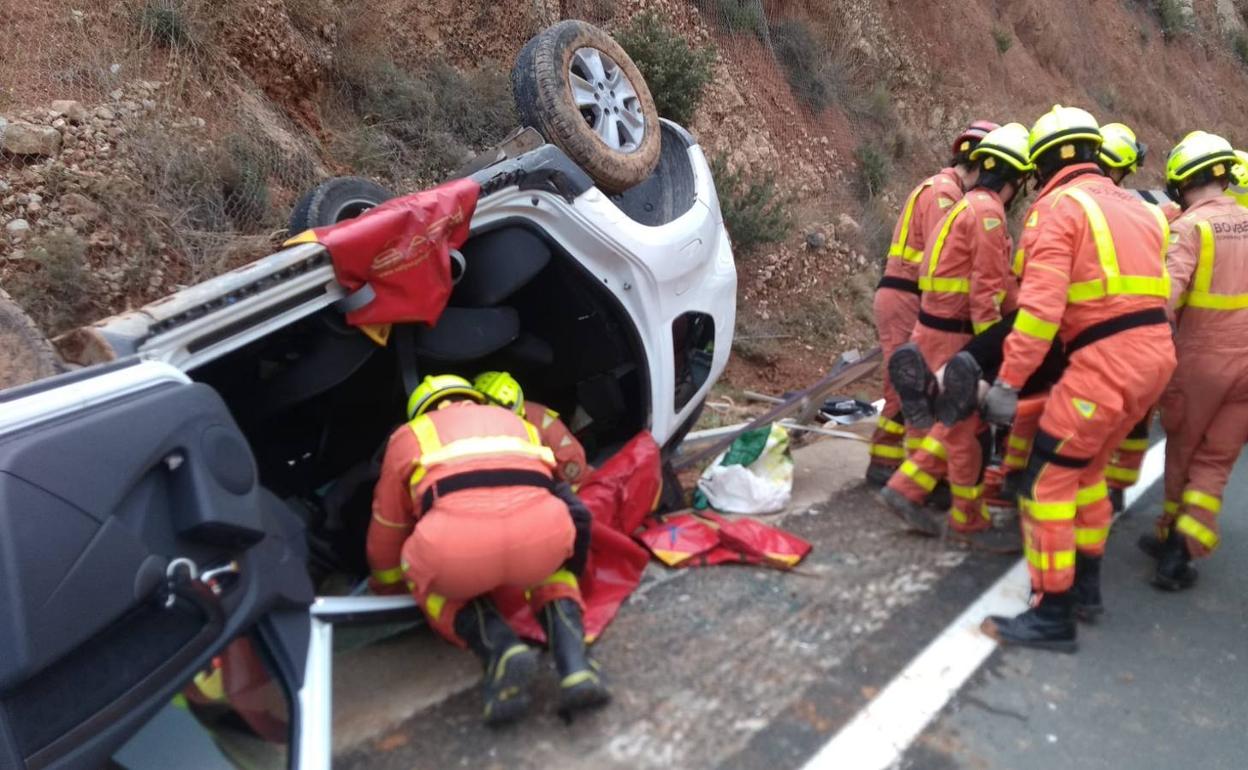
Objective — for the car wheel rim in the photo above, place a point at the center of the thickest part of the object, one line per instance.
(352, 209)
(607, 99)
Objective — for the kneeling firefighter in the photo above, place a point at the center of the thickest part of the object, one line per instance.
(467, 503)
(502, 389)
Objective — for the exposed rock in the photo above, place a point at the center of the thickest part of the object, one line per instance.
(17, 229)
(104, 113)
(73, 110)
(77, 204)
(846, 225)
(816, 240)
(29, 139)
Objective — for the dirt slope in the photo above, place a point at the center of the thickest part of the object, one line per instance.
(267, 77)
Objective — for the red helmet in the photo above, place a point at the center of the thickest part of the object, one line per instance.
(967, 140)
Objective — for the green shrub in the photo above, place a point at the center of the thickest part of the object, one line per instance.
(754, 210)
(873, 171)
(1239, 45)
(676, 73)
(736, 16)
(244, 170)
(418, 126)
(803, 60)
(57, 293)
(1002, 37)
(167, 23)
(1171, 17)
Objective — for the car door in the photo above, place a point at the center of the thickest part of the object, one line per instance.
(136, 548)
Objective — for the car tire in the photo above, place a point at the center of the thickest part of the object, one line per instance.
(613, 136)
(25, 354)
(334, 200)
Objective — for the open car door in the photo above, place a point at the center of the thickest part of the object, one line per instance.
(139, 556)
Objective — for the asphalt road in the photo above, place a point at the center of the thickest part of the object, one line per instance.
(1161, 682)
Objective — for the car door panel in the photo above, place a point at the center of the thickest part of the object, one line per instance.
(95, 505)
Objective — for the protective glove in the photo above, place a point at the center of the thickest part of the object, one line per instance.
(1000, 404)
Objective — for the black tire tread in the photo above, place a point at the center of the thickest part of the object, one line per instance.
(316, 208)
(25, 353)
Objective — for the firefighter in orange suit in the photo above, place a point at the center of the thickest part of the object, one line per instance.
(467, 503)
(966, 283)
(503, 389)
(1205, 408)
(897, 296)
(1095, 275)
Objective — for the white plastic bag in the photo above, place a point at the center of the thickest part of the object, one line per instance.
(754, 475)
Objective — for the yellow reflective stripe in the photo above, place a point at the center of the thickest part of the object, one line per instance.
(918, 475)
(562, 577)
(1107, 255)
(934, 447)
(1092, 494)
(1164, 224)
(966, 493)
(887, 450)
(1125, 475)
(1197, 531)
(1170, 506)
(477, 446)
(535, 438)
(900, 249)
(1016, 266)
(931, 282)
(891, 426)
(1134, 445)
(948, 285)
(1202, 500)
(1034, 326)
(980, 328)
(1089, 537)
(913, 443)
(434, 604)
(427, 436)
(1045, 562)
(1013, 461)
(1019, 443)
(1043, 511)
(388, 576)
(1200, 295)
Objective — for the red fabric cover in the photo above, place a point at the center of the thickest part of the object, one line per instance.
(705, 539)
(620, 494)
(402, 249)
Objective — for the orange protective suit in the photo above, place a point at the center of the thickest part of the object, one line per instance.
(1124, 464)
(570, 461)
(1094, 273)
(965, 278)
(450, 545)
(897, 297)
(1205, 408)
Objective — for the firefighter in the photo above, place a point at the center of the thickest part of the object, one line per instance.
(505, 391)
(1095, 275)
(965, 280)
(959, 390)
(1238, 188)
(1205, 408)
(897, 296)
(465, 504)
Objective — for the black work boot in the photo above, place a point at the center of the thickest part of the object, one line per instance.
(959, 395)
(913, 514)
(915, 383)
(1087, 588)
(1050, 625)
(1151, 545)
(580, 684)
(878, 475)
(510, 665)
(941, 497)
(1174, 566)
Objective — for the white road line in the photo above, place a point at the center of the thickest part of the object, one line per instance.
(878, 736)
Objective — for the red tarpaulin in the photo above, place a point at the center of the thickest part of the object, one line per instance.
(620, 495)
(401, 251)
(705, 538)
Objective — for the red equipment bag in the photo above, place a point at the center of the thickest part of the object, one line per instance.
(395, 258)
